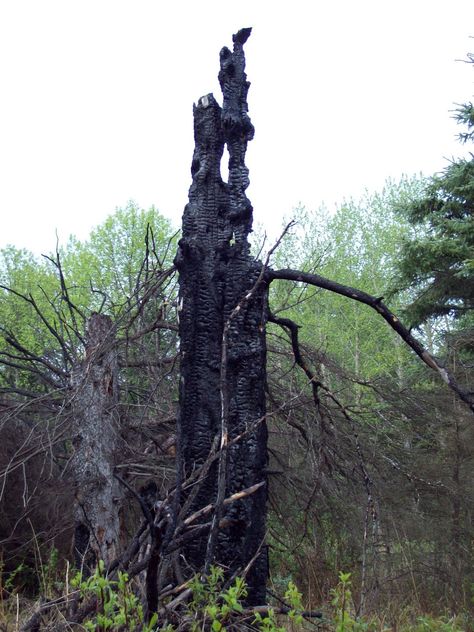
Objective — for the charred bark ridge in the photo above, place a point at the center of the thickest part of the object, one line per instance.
(216, 272)
(97, 493)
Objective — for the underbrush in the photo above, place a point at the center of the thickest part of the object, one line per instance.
(116, 605)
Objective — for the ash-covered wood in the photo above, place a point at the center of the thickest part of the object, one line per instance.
(98, 495)
(216, 272)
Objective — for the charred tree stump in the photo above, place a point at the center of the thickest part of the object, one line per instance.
(95, 438)
(216, 273)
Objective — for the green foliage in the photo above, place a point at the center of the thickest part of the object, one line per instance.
(48, 574)
(117, 605)
(117, 255)
(20, 319)
(342, 604)
(212, 606)
(268, 622)
(294, 598)
(464, 114)
(437, 261)
(357, 246)
(9, 581)
(44, 301)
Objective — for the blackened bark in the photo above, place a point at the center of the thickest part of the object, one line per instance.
(216, 272)
(97, 493)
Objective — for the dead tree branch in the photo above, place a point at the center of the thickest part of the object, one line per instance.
(380, 307)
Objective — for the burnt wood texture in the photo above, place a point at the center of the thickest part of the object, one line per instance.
(223, 395)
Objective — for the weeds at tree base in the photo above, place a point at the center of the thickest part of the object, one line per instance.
(214, 606)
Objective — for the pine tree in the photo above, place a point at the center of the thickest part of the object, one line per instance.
(437, 263)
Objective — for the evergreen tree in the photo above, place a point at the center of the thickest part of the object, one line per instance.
(437, 263)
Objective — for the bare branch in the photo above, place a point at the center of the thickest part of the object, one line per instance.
(387, 315)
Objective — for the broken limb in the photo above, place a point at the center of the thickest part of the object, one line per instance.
(378, 305)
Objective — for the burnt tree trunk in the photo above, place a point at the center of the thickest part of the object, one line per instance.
(96, 433)
(216, 273)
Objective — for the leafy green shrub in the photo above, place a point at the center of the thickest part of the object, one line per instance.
(117, 605)
(212, 607)
(342, 603)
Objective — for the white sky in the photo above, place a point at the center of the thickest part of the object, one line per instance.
(97, 95)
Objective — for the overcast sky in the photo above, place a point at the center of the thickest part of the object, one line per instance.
(97, 95)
